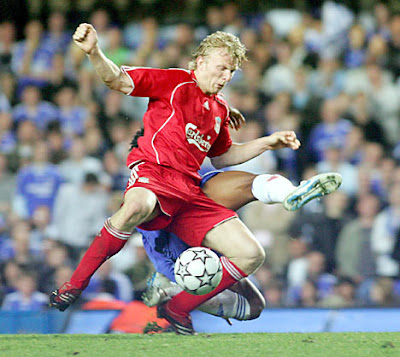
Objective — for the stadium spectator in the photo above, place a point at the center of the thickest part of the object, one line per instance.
(8, 140)
(20, 249)
(359, 112)
(327, 80)
(109, 281)
(383, 235)
(315, 272)
(381, 19)
(383, 293)
(296, 270)
(10, 273)
(40, 224)
(382, 95)
(280, 76)
(31, 60)
(394, 45)
(354, 255)
(79, 163)
(27, 135)
(94, 143)
(56, 38)
(7, 186)
(274, 294)
(26, 297)
(331, 131)
(58, 144)
(8, 87)
(308, 296)
(78, 212)
(55, 255)
(37, 183)
(59, 76)
(355, 53)
(321, 230)
(7, 44)
(33, 108)
(377, 51)
(71, 115)
(342, 296)
(116, 50)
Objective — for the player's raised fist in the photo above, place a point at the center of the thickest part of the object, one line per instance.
(85, 37)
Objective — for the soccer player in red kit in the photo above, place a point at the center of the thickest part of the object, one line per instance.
(186, 121)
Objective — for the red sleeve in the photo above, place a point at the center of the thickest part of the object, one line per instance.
(223, 142)
(154, 82)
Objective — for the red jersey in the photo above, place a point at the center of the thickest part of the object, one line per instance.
(182, 125)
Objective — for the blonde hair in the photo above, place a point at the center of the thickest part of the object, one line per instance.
(224, 40)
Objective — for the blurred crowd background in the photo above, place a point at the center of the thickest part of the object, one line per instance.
(328, 70)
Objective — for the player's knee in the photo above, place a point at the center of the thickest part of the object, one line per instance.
(257, 305)
(136, 211)
(252, 258)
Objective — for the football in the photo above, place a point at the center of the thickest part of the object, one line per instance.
(198, 270)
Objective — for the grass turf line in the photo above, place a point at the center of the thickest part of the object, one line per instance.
(232, 345)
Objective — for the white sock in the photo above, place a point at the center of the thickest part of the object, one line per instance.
(227, 304)
(271, 188)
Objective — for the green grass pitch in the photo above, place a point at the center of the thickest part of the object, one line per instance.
(232, 345)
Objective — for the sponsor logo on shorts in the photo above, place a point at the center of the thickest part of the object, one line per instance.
(194, 136)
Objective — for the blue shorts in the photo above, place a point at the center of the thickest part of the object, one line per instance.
(162, 247)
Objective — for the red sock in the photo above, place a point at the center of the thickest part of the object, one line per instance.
(184, 303)
(107, 243)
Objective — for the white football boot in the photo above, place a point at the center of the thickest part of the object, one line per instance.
(159, 289)
(316, 186)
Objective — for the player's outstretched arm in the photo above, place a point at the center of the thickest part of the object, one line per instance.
(239, 153)
(85, 37)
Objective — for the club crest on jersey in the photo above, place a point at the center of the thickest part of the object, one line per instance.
(217, 126)
(194, 136)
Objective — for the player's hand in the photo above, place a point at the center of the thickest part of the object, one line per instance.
(236, 119)
(283, 139)
(85, 37)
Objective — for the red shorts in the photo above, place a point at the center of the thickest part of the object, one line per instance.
(186, 210)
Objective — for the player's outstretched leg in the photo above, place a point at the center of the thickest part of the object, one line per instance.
(234, 189)
(316, 186)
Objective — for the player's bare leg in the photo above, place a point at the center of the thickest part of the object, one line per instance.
(234, 189)
(231, 189)
(140, 205)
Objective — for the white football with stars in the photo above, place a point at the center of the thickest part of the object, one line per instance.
(198, 270)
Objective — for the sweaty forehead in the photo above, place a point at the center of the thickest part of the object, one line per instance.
(221, 56)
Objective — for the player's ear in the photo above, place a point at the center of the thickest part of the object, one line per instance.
(200, 61)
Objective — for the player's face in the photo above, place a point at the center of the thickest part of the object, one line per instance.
(215, 70)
